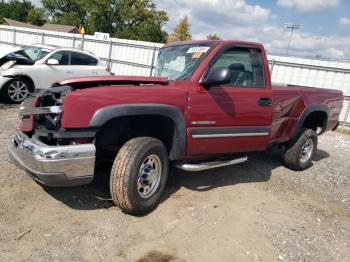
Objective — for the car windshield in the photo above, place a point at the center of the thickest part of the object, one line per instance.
(34, 53)
(179, 62)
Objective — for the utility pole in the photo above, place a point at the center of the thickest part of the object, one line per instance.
(292, 27)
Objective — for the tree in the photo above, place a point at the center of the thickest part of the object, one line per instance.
(213, 37)
(15, 9)
(36, 16)
(140, 20)
(128, 19)
(181, 31)
(67, 12)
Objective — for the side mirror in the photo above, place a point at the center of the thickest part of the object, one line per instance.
(52, 62)
(216, 76)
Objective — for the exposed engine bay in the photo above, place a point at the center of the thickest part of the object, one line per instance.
(42, 112)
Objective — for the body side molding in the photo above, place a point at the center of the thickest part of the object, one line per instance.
(229, 132)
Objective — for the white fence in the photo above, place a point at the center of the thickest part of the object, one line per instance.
(128, 57)
(124, 57)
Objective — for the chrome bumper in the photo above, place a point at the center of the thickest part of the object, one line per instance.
(57, 166)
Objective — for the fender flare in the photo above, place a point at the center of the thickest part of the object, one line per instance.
(307, 111)
(105, 114)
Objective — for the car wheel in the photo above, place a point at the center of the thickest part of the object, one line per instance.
(139, 175)
(300, 152)
(15, 91)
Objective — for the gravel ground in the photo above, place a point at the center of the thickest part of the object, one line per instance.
(256, 211)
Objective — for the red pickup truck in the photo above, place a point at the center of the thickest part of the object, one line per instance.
(208, 104)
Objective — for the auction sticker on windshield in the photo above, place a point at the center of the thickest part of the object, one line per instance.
(198, 49)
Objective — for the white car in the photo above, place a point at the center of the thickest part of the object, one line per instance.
(38, 66)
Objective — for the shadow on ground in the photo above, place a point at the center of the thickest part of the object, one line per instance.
(257, 169)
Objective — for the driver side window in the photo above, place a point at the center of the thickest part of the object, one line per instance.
(245, 65)
(62, 57)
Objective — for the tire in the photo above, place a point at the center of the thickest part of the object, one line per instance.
(300, 152)
(15, 91)
(139, 175)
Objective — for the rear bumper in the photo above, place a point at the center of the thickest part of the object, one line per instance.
(56, 166)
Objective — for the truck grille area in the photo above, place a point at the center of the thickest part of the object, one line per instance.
(26, 109)
(43, 109)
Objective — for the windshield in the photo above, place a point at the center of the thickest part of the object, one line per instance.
(33, 53)
(179, 62)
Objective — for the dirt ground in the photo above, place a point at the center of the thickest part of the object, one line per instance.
(256, 211)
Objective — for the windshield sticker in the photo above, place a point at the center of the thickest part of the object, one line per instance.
(196, 55)
(196, 49)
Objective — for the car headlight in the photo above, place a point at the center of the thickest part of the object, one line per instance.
(8, 65)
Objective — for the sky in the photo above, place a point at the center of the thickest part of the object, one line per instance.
(325, 32)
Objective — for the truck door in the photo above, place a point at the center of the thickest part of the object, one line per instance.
(235, 117)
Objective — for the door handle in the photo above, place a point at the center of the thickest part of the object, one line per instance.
(265, 101)
(70, 72)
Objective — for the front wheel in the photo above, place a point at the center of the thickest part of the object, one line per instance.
(301, 151)
(15, 91)
(139, 175)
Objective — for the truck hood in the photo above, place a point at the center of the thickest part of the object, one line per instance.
(86, 82)
(47, 104)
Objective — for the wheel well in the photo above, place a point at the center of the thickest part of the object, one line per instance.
(116, 132)
(27, 79)
(316, 119)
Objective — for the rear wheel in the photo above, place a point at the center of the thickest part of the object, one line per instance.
(301, 151)
(139, 175)
(15, 91)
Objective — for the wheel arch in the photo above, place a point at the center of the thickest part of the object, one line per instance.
(312, 117)
(26, 78)
(103, 117)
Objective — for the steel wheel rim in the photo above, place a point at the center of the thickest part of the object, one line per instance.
(306, 151)
(149, 176)
(17, 91)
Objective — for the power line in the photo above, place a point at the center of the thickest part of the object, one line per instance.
(292, 27)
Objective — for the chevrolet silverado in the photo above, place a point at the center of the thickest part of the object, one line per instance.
(208, 104)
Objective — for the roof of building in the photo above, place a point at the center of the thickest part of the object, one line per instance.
(11, 22)
(50, 27)
(60, 28)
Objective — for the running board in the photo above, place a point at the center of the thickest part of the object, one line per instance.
(210, 165)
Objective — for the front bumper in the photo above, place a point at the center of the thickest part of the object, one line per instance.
(57, 166)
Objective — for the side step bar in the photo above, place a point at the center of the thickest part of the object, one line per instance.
(210, 165)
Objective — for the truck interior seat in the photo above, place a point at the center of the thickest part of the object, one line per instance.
(237, 74)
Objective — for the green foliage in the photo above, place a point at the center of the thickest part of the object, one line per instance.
(181, 31)
(213, 37)
(36, 16)
(139, 20)
(128, 19)
(15, 9)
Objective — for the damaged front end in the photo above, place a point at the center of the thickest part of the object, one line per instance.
(50, 154)
(41, 115)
